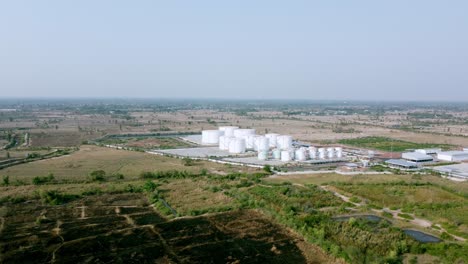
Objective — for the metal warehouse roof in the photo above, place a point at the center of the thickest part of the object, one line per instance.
(429, 151)
(402, 163)
(454, 153)
(416, 156)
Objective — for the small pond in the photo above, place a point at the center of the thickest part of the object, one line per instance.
(422, 237)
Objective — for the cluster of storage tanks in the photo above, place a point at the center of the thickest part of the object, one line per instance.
(303, 154)
(237, 140)
(272, 145)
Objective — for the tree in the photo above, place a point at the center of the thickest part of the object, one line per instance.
(267, 168)
(8, 155)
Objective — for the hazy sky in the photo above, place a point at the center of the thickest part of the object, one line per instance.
(330, 49)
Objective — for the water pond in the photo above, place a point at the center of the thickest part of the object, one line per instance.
(422, 237)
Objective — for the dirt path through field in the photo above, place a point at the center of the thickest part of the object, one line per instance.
(83, 212)
(57, 231)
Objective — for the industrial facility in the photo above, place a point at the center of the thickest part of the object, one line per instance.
(417, 157)
(269, 146)
(232, 144)
(453, 155)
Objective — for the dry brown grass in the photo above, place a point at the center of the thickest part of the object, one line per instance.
(186, 195)
(77, 166)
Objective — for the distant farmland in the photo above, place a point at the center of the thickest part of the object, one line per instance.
(389, 144)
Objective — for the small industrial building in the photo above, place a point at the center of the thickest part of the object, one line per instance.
(429, 151)
(458, 171)
(453, 156)
(417, 157)
(401, 164)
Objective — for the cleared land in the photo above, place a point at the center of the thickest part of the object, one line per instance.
(122, 227)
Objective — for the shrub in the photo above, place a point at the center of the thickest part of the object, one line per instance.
(267, 168)
(33, 155)
(92, 191)
(149, 186)
(148, 175)
(188, 162)
(118, 176)
(54, 197)
(41, 180)
(133, 189)
(97, 175)
(6, 180)
(387, 214)
(405, 216)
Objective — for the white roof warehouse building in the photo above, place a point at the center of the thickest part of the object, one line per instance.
(429, 151)
(416, 157)
(459, 171)
(453, 155)
(401, 164)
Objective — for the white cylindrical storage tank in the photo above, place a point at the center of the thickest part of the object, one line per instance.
(276, 154)
(210, 136)
(222, 140)
(227, 142)
(292, 153)
(250, 142)
(241, 133)
(257, 142)
(224, 128)
(306, 152)
(330, 153)
(321, 153)
(312, 152)
(300, 154)
(262, 155)
(237, 145)
(263, 144)
(284, 142)
(228, 130)
(339, 152)
(286, 155)
(272, 137)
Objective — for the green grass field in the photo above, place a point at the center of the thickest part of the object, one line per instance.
(329, 178)
(388, 144)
